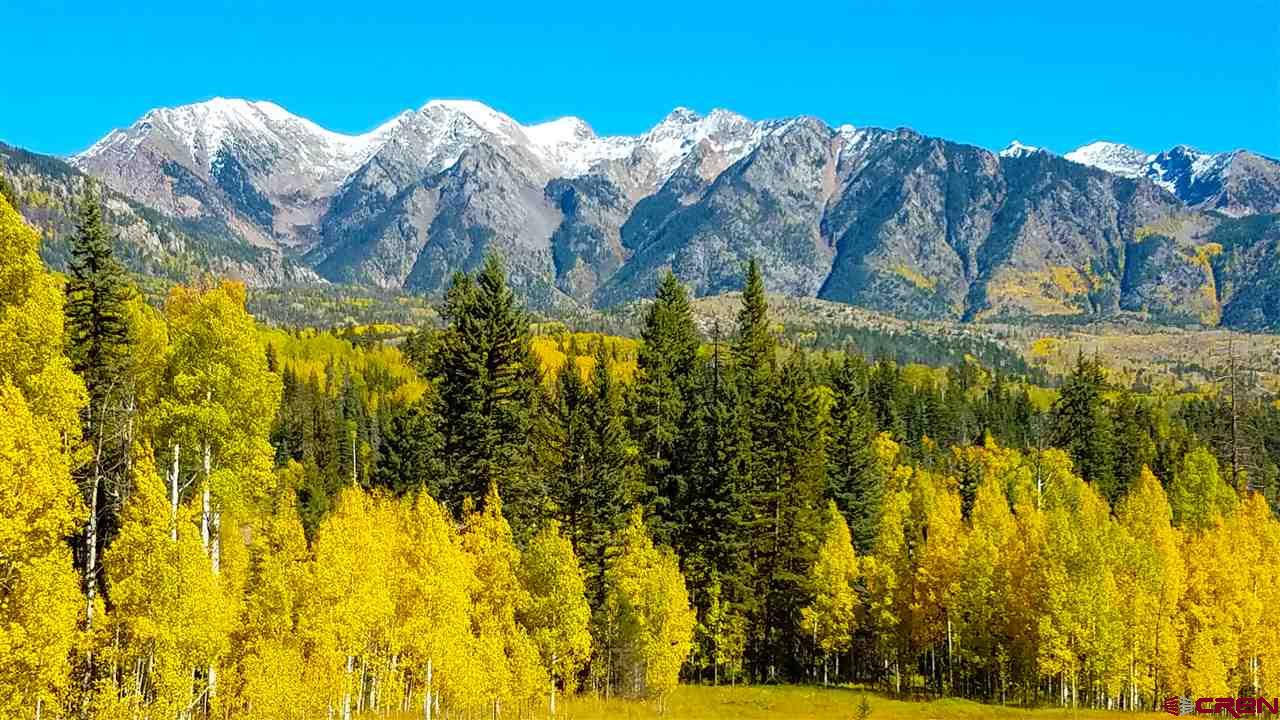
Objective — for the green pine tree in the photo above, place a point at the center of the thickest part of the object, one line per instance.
(97, 328)
(852, 479)
(1082, 427)
(665, 366)
(487, 381)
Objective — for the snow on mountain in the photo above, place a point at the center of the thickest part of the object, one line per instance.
(671, 141)
(573, 147)
(1187, 167)
(1017, 149)
(263, 132)
(1112, 157)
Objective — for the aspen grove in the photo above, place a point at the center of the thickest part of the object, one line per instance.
(202, 517)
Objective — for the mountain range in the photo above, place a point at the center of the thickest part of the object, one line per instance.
(891, 220)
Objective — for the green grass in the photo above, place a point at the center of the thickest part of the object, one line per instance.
(806, 703)
(790, 702)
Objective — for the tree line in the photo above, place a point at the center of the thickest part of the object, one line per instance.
(205, 519)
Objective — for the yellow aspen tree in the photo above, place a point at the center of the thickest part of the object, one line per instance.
(1027, 596)
(270, 669)
(725, 627)
(220, 402)
(1268, 584)
(980, 625)
(832, 616)
(556, 615)
(40, 401)
(1198, 494)
(433, 604)
(351, 604)
(887, 573)
(1150, 578)
(939, 539)
(39, 591)
(1214, 606)
(170, 616)
(515, 677)
(647, 601)
(1245, 532)
(31, 332)
(1081, 626)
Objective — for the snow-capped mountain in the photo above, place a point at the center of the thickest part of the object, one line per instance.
(1017, 149)
(888, 219)
(277, 178)
(264, 171)
(1115, 158)
(1235, 183)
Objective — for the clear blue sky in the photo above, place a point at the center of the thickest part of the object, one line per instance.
(1054, 74)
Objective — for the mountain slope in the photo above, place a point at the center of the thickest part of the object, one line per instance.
(1236, 183)
(147, 241)
(886, 219)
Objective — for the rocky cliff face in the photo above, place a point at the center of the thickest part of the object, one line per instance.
(887, 219)
(150, 242)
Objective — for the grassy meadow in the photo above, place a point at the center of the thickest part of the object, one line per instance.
(800, 702)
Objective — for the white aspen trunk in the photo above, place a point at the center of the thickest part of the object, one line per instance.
(215, 543)
(91, 549)
(206, 501)
(346, 694)
(426, 706)
(39, 707)
(210, 529)
(212, 689)
(173, 495)
(360, 695)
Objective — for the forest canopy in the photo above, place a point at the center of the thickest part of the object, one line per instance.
(204, 517)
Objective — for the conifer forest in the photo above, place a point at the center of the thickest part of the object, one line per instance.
(206, 515)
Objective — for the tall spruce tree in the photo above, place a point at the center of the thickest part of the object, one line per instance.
(97, 343)
(788, 522)
(1082, 426)
(665, 366)
(610, 473)
(487, 381)
(852, 480)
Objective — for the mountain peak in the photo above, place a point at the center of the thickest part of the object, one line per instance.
(681, 115)
(1017, 149)
(1114, 158)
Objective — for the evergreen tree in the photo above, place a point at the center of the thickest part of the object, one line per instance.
(1133, 446)
(852, 477)
(608, 487)
(786, 523)
(667, 358)
(1082, 426)
(98, 342)
(7, 193)
(487, 383)
(97, 290)
(410, 457)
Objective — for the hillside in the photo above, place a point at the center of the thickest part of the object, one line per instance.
(890, 220)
